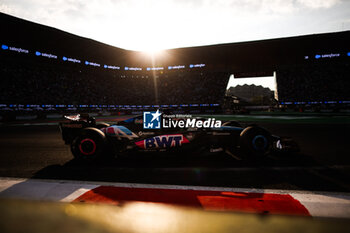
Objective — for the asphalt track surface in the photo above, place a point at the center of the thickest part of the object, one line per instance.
(323, 163)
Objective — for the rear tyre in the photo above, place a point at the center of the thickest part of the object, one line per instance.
(255, 142)
(89, 144)
(101, 125)
(232, 123)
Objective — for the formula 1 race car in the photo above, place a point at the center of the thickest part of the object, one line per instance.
(90, 140)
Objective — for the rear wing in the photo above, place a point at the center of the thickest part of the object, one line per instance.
(70, 129)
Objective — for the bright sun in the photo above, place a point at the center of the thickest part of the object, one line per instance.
(153, 52)
(151, 47)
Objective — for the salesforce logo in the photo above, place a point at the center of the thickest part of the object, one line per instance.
(86, 63)
(318, 56)
(37, 53)
(4, 47)
(191, 66)
(64, 59)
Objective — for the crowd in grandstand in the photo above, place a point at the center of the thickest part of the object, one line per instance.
(26, 83)
(314, 82)
(23, 82)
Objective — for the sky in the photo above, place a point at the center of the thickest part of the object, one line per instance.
(153, 25)
(269, 82)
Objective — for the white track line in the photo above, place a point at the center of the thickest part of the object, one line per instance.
(42, 189)
(334, 205)
(242, 169)
(319, 204)
(6, 182)
(29, 124)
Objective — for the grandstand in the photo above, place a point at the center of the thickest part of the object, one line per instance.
(43, 68)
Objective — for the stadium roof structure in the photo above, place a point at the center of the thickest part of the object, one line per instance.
(255, 56)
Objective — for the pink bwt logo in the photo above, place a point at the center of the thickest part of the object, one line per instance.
(164, 141)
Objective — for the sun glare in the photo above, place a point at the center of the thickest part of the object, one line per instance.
(153, 51)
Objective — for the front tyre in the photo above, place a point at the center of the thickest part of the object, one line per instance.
(255, 142)
(89, 144)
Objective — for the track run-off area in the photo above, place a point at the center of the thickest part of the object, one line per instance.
(260, 201)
